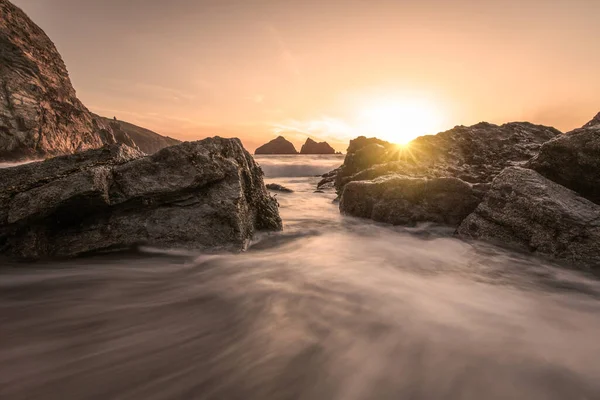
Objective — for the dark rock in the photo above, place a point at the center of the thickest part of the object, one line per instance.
(279, 188)
(134, 136)
(278, 145)
(573, 160)
(474, 154)
(40, 114)
(529, 211)
(594, 122)
(312, 147)
(406, 201)
(319, 191)
(328, 181)
(206, 195)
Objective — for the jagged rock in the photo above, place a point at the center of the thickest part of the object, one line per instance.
(594, 122)
(402, 200)
(40, 114)
(147, 141)
(278, 145)
(312, 147)
(474, 154)
(206, 195)
(279, 188)
(527, 210)
(328, 180)
(573, 160)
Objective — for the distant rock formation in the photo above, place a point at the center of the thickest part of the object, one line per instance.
(40, 114)
(146, 140)
(312, 147)
(206, 195)
(278, 145)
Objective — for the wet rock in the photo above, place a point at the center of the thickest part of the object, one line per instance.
(402, 200)
(40, 114)
(279, 188)
(312, 147)
(573, 160)
(206, 195)
(278, 145)
(526, 210)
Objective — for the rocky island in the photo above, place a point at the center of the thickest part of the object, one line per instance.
(312, 147)
(279, 145)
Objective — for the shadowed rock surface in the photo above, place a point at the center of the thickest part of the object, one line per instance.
(573, 160)
(278, 145)
(527, 210)
(279, 188)
(132, 135)
(40, 114)
(475, 154)
(207, 194)
(312, 147)
(406, 201)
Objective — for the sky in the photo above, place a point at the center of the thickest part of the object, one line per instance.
(328, 69)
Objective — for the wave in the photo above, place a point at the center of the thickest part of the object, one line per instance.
(298, 166)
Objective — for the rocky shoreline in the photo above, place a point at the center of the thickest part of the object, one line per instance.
(521, 185)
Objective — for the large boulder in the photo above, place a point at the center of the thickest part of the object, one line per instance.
(573, 160)
(475, 154)
(312, 147)
(526, 210)
(406, 201)
(206, 195)
(278, 145)
(40, 114)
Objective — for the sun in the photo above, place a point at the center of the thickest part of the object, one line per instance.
(400, 121)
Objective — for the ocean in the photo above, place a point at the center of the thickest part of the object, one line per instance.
(333, 307)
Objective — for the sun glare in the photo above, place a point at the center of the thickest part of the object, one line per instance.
(400, 121)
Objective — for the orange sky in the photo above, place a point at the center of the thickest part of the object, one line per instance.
(254, 69)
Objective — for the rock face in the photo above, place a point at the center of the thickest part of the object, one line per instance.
(40, 114)
(278, 145)
(312, 147)
(573, 160)
(202, 195)
(475, 154)
(406, 201)
(529, 211)
(134, 136)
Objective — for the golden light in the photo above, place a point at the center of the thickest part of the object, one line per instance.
(400, 121)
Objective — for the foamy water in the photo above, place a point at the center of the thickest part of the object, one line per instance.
(331, 308)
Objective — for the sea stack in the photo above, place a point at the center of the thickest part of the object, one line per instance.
(312, 147)
(279, 145)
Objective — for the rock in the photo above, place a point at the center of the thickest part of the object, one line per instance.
(279, 188)
(402, 200)
(319, 191)
(474, 154)
(312, 147)
(277, 146)
(328, 181)
(205, 195)
(573, 160)
(594, 122)
(134, 136)
(40, 114)
(526, 210)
